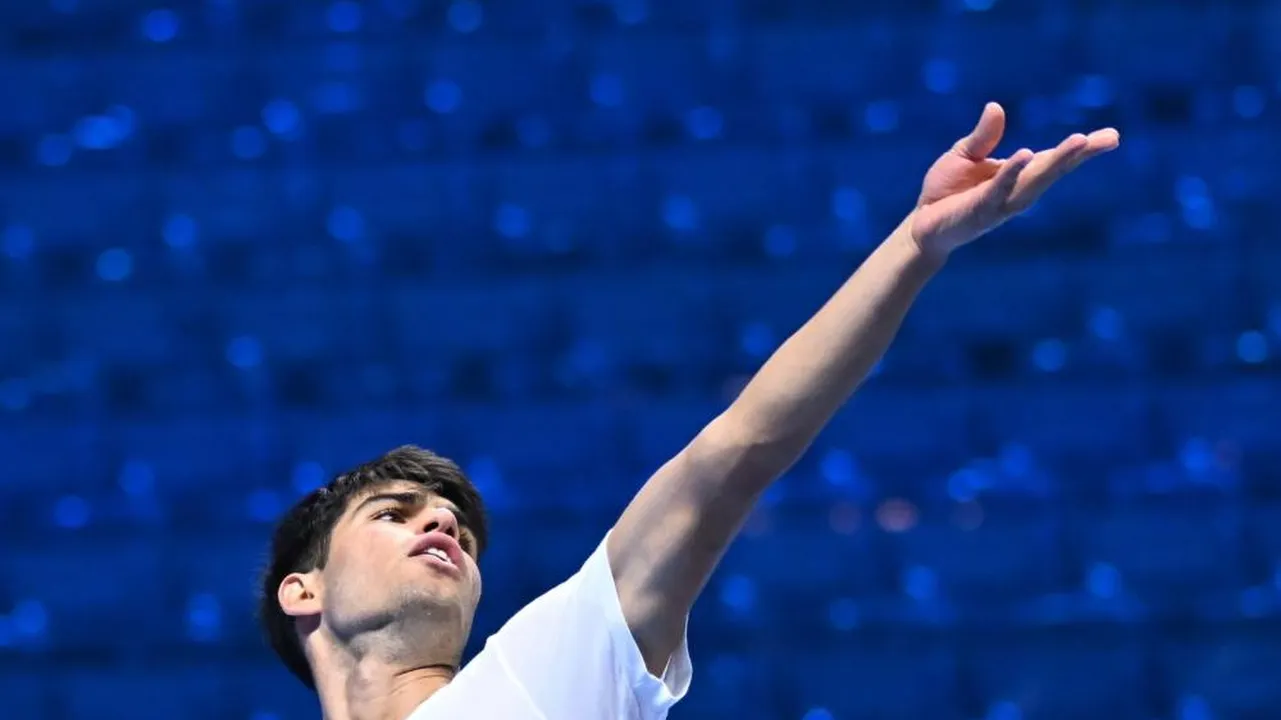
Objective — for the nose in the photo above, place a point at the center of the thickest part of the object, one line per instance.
(441, 520)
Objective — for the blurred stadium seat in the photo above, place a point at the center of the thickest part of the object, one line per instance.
(244, 246)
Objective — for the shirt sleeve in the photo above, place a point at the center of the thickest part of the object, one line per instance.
(575, 657)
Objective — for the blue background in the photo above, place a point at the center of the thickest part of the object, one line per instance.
(244, 245)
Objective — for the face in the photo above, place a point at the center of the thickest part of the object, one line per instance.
(400, 561)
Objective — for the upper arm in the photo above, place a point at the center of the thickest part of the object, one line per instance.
(571, 652)
(671, 536)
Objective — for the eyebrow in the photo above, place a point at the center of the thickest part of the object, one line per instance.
(409, 498)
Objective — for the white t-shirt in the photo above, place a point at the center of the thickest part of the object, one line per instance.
(568, 655)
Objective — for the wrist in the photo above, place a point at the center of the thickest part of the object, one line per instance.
(925, 255)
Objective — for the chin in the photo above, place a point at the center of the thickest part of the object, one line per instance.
(434, 598)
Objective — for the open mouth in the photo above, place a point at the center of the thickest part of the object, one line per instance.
(439, 549)
(440, 561)
(439, 555)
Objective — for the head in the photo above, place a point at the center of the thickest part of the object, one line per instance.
(351, 560)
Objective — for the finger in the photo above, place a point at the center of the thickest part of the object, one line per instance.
(1097, 143)
(1058, 157)
(1105, 140)
(1050, 165)
(1006, 181)
(985, 136)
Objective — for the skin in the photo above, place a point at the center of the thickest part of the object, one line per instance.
(380, 651)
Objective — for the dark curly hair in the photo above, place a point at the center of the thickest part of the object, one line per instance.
(301, 540)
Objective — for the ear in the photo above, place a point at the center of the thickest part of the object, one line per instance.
(299, 594)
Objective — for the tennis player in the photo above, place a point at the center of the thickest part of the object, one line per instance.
(373, 580)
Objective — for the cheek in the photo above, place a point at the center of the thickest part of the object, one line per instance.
(360, 556)
(375, 544)
(353, 583)
(478, 586)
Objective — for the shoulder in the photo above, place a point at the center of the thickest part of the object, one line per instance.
(573, 643)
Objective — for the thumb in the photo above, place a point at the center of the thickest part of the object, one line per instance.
(986, 134)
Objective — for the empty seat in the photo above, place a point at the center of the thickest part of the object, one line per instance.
(224, 568)
(1066, 420)
(1169, 557)
(63, 457)
(180, 453)
(986, 301)
(1263, 526)
(1243, 413)
(456, 320)
(998, 561)
(1163, 290)
(148, 694)
(1229, 670)
(895, 421)
(1065, 674)
(108, 573)
(886, 681)
(801, 552)
(338, 443)
(27, 694)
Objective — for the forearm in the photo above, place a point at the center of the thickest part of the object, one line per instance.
(814, 372)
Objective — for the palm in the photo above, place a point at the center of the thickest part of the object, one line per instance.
(967, 193)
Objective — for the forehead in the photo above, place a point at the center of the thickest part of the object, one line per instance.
(395, 492)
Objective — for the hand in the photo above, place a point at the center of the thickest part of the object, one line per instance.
(966, 193)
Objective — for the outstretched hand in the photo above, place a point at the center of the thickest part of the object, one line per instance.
(966, 193)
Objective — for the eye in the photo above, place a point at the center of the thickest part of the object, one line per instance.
(394, 515)
(466, 542)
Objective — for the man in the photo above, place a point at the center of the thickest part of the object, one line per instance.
(373, 583)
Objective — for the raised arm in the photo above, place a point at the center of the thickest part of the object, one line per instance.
(669, 539)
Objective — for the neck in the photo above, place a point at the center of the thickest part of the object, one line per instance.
(355, 685)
